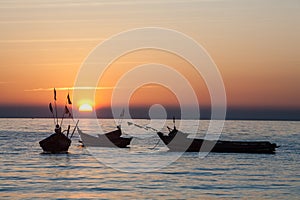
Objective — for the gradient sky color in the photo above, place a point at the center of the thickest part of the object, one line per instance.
(255, 44)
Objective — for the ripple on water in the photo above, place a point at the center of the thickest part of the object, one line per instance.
(25, 173)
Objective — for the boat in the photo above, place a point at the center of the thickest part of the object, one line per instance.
(56, 143)
(59, 141)
(179, 141)
(110, 139)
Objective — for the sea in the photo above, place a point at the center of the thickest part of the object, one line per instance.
(147, 170)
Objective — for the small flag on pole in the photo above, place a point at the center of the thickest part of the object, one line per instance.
(50, 107)
(54, 94)
(69, 100)
(122, 113)
(67, 111)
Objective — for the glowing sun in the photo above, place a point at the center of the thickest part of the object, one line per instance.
(85, 108)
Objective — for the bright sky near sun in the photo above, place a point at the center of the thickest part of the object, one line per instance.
(254, 43)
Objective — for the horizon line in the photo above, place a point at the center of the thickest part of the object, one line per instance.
(142, 112)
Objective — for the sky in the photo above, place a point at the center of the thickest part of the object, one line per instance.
(254, 43)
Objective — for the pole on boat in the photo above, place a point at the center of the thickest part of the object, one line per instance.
(66, 111)
(143, 127)
(174, 122)
(121, 118)
(74, 129)
(68, 131)
(51, 110)
(55, 106)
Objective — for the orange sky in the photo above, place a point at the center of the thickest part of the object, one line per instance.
(254, 43)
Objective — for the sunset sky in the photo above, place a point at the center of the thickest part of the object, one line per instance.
(254, 43)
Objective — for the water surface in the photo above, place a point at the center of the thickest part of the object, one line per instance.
(25, 173)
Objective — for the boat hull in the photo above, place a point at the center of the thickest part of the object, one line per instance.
(55, 143)
(200, 145)
(111, 139)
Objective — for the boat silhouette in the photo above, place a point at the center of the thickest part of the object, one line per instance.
(179, 141)
(110, 139)
(59, 141)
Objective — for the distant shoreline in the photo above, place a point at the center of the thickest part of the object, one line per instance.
(250, 119)
(244, 114)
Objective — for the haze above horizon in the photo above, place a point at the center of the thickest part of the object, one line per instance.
(254, 43)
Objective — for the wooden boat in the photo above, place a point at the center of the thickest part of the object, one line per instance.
(56, 143)
(110, 139)
(179, 141)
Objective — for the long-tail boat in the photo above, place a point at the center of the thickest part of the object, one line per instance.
(110, 139)
(179, 141)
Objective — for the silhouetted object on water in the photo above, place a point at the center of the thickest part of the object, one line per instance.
(178, 141)
(58, 142)
(110, 139)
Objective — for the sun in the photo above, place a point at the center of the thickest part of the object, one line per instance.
(85, 108)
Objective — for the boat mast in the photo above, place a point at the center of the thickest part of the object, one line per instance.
(174, 123)
(55, 106)
(66, 111)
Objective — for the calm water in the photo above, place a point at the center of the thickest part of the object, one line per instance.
(147, 170)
